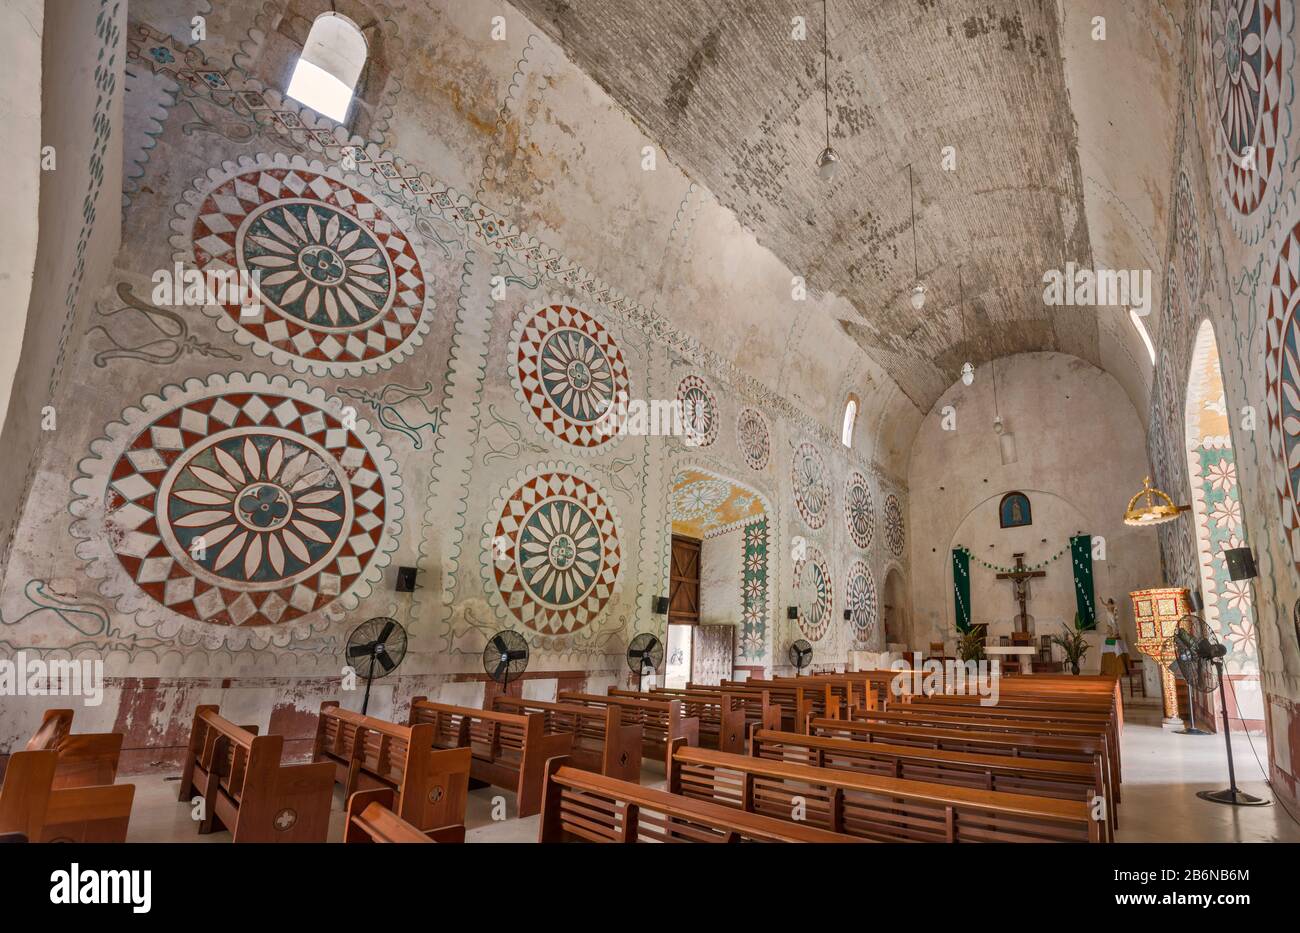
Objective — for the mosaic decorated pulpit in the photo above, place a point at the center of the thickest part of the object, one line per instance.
(1156, 613)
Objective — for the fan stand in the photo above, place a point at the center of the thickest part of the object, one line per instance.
(370, 675)
(1230, 795)
(1191, 710)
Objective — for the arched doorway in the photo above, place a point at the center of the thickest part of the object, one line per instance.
(898, 628)
(1219, 525)
(724, 524)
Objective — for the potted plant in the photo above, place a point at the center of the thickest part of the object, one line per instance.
(970, 644)
(1073, 644)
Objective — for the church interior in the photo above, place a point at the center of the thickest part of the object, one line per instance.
(815, 421)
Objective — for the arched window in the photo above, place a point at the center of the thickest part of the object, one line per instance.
(850, 421)
(1142, 332)
(330, 64)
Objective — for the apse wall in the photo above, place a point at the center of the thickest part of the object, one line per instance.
(227, 494)
(1231, 257)
(1080, 454)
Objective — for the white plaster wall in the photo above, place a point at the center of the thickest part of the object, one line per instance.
(721, 565)
(21, 22)
(1081, 454)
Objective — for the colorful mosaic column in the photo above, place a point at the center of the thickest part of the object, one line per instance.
(1156, 612)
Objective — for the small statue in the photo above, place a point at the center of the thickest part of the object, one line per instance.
(1112, 619)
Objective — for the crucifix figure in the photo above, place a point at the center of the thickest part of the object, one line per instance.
(1021, 576)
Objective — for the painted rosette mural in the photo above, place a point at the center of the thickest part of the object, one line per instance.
(894, 534)
(1282, 372)
(569, 374)
(754, 438)
(553, 551)
(812, 491)
(859, 511)
(337, 285)
(239, 501)
(815, 594)
(860, 596)
(1246, 55)
(699, 411)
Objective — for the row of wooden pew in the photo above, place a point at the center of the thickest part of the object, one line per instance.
(843, 754)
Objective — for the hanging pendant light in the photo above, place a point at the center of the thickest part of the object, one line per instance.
(967, 368)
(918, 290)
(828, 163)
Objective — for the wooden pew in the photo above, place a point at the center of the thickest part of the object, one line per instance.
(431, 785)
(1053, 747)
(1071, 780)
(85, 759)
(370, 818)
(580, 806)
(509, 750)
(34, 805)
(990, 720)
(660, 719)
(722, 716)
(884, 809)
(247, 790)
(601, 742)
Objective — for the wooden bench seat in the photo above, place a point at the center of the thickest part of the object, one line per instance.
(508, 750)
(35, 805)
(84, 759)
(370, 818)
(580, 806)
(1051, 747)
(990, 720)
(431, 786)
(1070, 780)
(883, 809)
(660, 719)
(723, 717)
(247, 790)
(601, 742)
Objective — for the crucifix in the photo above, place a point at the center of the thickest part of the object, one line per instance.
(1021, 576)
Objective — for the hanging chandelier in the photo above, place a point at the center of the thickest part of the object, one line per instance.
(1152, 512)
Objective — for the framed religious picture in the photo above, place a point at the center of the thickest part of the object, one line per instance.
(1013, 511)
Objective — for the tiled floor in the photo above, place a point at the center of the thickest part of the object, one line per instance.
(1162, 772)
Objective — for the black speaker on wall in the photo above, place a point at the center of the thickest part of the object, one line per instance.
(661, 605)
(792, 612)
(1241, 563)
(848, 614)
(406, 579)
(1198, 603)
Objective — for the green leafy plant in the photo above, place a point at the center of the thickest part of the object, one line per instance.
(1073, 643)
(970, 645)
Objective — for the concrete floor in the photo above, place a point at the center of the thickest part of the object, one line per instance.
(1162, 772)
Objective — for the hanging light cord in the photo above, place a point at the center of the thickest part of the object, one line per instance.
(826, 82)
(911, 193)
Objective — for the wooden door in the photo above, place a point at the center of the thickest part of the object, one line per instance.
(684, 582)
(712, 654)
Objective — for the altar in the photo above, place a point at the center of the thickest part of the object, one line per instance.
(1024, 654)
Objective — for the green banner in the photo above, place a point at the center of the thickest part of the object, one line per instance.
(961, 587)
(1081, 558)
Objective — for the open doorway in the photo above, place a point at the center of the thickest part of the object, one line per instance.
(718, 578)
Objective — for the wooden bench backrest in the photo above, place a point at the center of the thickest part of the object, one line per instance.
(370, 818)
(497, 731)
(86, 759)
(31, 804)
(884, 809)
(579, 805)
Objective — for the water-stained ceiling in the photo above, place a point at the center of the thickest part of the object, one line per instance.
(735, 100)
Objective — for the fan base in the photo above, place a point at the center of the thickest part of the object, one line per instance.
(1192, 732)
(1233, 798)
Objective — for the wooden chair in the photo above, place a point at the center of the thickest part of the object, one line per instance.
(1132, 673)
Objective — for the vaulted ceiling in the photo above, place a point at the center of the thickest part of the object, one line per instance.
(738, 103)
